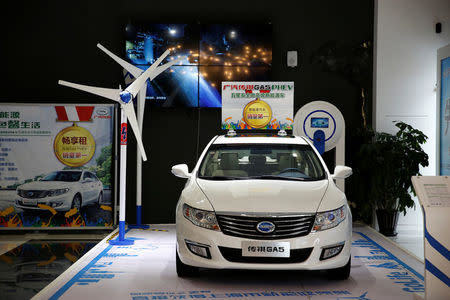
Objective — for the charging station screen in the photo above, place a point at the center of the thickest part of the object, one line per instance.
(319, 122)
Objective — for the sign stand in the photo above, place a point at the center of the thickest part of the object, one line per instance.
(434, 196)
(121, 241)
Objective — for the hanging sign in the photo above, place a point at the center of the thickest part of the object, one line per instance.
(123, 133)
(257, 105)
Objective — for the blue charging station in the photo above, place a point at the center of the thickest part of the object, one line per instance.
(323, 124)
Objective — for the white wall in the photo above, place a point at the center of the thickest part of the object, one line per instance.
(405, 70)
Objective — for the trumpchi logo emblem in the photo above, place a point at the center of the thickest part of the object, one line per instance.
(265, 227)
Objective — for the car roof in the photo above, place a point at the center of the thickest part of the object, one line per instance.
(260, 139)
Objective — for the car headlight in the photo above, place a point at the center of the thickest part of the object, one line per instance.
(203, 218)
(52, 193)
(329, 219)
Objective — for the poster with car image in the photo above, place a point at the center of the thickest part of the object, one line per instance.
(56, 165)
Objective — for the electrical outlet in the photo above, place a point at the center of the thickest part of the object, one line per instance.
(292, 59)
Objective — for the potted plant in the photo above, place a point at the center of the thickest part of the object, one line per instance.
(388, 161)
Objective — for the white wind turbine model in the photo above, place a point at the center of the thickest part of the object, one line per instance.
(124, 98)
(135, 72)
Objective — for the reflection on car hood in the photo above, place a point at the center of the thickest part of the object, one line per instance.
(261, 196)
(46, 185)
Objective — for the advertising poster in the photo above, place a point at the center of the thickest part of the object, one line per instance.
(257, 105)
(56, 165)
(445, 117)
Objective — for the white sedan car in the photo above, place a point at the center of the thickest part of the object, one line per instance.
(257, 202)
(61, 190)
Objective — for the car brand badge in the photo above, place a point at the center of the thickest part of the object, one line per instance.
(265, 227)
(29, 194)
(102, 111)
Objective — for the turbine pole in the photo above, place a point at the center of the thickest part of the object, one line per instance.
(122, 181)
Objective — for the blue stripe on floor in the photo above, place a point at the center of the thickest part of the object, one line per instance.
(393, 257)
(77, 277)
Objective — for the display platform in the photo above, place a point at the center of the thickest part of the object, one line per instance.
(146, 270)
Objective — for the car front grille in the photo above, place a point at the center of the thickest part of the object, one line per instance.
(32, 194)
(235, 255)
(286, 226)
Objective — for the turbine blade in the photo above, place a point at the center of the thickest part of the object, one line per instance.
(140, 81)
(140, 113)
(141, 107)
(131, 116)
(135, 71)
(112, 94)
(164, 67)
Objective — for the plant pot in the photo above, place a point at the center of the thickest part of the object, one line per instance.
(387, 221)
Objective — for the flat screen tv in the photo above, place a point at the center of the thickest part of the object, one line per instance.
(216, 53)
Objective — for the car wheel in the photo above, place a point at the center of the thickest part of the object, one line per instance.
(100, 199)
(341, 273)
(185, 270)
(76, 202)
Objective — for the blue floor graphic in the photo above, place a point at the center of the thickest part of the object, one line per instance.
(146, 270)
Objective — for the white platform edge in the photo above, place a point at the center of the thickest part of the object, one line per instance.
(395, 244)
(76, 266)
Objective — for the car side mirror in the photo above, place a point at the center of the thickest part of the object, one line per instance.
(342, 172)
(181, 171)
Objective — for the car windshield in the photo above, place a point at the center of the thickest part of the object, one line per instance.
(261, 161)
(62, 176)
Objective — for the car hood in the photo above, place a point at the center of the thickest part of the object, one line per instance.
(46, 185)
(263, 196)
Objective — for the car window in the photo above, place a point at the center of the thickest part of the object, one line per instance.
(92, 176)
(261, 161)
(68, 176)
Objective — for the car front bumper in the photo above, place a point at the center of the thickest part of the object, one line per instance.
(33, 204)
(310, 245)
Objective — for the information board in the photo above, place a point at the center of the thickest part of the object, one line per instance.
(56, 165)
(433, 191)
(257, 105)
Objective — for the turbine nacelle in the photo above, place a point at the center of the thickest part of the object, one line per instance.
(125, 96)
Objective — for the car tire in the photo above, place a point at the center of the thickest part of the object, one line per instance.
(184, 270)
(341, 273)
(76, 202)
(99, 199)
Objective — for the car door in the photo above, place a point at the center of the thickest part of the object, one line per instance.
(88, 189)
